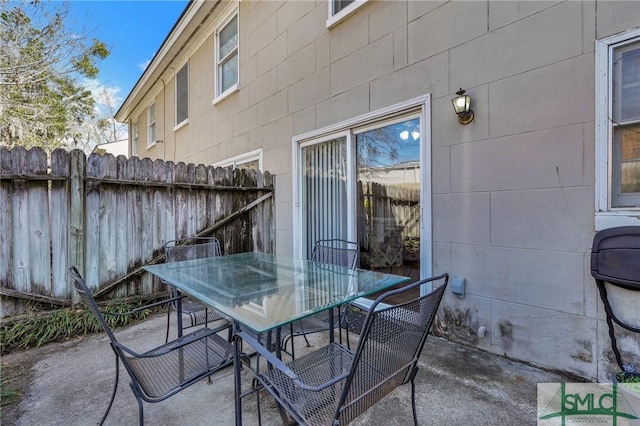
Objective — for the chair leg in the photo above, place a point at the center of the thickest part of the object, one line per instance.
(258, 407)
(113, 394)
(166, 339)
(413, 402)
(140, 408)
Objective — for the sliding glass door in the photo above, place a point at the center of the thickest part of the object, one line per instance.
(368, 181)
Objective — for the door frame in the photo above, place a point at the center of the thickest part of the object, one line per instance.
(345, 128)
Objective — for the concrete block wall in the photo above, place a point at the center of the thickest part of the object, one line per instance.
(513, 192)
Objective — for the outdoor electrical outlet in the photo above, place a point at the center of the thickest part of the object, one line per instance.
(457, 286)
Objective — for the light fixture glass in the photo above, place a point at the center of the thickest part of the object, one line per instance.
(404, 135)
(415, 135)
(462, 107)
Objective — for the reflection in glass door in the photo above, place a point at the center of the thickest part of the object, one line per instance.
(388, 197)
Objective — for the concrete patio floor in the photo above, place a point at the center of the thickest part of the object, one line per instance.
(71, 384)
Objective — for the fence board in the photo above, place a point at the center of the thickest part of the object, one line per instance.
(38, 223)
(121, 219)
(20, 200)
(77, 218)
(7, 305)
(59, 224)
(92, 234)
(146, 228)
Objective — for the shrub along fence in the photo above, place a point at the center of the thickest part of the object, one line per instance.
(109, 216)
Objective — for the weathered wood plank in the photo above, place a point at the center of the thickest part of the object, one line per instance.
(108, 222)
(169, 205)
(122, 217)
(38, 224)
(20, 201)
(7, 306)
(146, 231)
(92, 228)
(59, 225)
(77, 217)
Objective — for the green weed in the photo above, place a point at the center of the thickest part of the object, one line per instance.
(36, 330)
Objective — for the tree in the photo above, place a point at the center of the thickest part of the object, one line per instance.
(43, 101)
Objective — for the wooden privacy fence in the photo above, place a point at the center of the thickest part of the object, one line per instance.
(389, 221)
(109, 216)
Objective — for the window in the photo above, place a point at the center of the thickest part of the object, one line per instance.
(227, 57)
(340, 9)
(135, 138)
(618, 129)
(151, 137)
(182, 94)
(248, 161)
(368, 180)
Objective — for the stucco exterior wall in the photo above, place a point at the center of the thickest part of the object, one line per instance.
(513, 192)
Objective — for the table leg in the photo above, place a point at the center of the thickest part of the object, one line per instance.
(331, 326)
(237, 367)
(179, 314)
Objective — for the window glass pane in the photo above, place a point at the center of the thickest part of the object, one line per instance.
(152, 113)
(229, 73)
(182, 94)
(324, 192)
(249, 165)
(152, 133)
(630, 84)
(152, 125)
(338, 5)
(135, 139)
(388, 189)
(228, 38)
(626, 171)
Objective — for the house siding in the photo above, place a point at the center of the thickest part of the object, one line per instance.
(513, 192)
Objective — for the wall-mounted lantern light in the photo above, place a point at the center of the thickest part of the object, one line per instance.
(462, 107)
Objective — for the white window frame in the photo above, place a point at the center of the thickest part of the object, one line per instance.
(237, 160)
(219, 94)
(349, 128)
(186, 119)
(335, 18)
(135, 138)
(151, 138)
(607, 216)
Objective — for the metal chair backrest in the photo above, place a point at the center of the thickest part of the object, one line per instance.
(192, 248)
(390, 344)
(87, 298)
(336, 252)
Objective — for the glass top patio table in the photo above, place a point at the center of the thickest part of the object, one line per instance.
(266, 291)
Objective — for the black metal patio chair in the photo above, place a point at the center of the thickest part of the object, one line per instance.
(615, 260)
(189, 249)
(165, 370)
(333, 385)
(332, 252)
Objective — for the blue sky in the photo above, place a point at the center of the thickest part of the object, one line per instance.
(133, 32)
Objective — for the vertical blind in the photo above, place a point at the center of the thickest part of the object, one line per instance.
(324, 192)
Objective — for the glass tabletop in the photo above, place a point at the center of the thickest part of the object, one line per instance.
(265, 291)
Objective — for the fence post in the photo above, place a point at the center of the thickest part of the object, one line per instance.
(77, 167)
